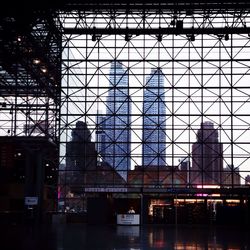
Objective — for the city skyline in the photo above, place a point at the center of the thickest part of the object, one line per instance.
(194, 94)
(207, 151)
(206, 167)
(136, 129)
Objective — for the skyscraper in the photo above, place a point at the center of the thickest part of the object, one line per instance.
(154, 117)
(117, 123)
(80, 151)
(207, 156)
(81, 159)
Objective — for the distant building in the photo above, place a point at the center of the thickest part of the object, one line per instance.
(247, 180)
(81, 157)
(80, 151)
(81, 163)
(117, 123)
(105, 177)
(231, 176)
(154, 121)
(157, 177)
(207, 156)
(184, 167)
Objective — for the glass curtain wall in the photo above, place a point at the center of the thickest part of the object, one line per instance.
(154, 110)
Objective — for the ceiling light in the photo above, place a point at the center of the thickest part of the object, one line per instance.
(36, 61)
(43, 69)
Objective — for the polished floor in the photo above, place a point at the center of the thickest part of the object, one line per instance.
(112, 237)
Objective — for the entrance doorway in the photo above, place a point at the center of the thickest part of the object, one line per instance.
(163, 214)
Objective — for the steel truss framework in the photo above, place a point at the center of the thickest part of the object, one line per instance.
(30, 70)
(30, 78)
(202, 53)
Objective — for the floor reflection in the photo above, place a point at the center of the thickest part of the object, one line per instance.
(159, 237)
(112, 237)
(198, 238)
(131, 231)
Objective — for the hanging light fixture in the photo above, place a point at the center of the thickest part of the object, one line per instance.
(159, 37)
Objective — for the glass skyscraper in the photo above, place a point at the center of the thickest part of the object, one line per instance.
(154, 121)
(117, 123)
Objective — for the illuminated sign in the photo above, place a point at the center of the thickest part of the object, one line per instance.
(30, 201)
(208, 186)
(128, 219)
(106, 190)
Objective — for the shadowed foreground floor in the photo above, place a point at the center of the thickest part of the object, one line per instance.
(82, 236)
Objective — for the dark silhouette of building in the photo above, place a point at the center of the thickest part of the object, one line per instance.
(247, 180)
(154, 176)
(81, 156)
(81, 162)
(80, 151)
(207, 156)
(83, 173)
(231, 176)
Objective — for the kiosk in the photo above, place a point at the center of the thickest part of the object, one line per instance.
(128, 219)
